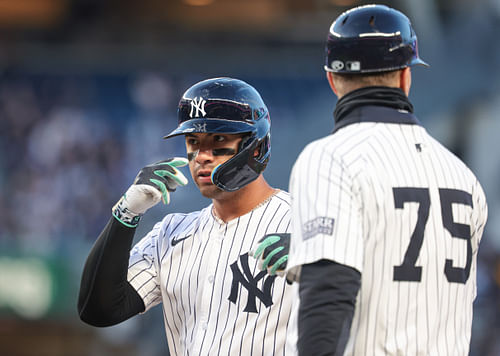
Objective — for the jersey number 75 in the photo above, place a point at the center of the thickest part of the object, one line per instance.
(408, 271)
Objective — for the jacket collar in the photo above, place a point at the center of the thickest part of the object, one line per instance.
(375, 113)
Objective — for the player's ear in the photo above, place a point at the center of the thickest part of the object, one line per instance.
(405, 80)
(329, 77)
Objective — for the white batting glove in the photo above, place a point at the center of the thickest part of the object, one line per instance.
(152, 184)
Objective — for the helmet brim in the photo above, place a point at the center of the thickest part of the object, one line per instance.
(211, 126)
(414, 62)
(419, 62)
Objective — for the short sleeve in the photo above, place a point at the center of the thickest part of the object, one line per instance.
(326, 212)
(480, 214)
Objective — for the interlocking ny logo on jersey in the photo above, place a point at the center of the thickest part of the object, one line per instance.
(197, 106)
(249, 282)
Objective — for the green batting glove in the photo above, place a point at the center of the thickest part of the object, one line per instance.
(272, 253)
(152, 184)
(164, 176)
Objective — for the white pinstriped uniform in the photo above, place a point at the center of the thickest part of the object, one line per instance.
(195, 281)
(344, 190)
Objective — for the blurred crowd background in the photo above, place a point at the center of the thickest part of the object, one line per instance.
(88, 88)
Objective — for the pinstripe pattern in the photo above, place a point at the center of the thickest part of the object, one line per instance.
(193, 280)
(349, 177)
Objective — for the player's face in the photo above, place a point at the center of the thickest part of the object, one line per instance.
(205, 152)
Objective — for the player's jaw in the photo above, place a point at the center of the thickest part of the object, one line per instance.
(202, 176)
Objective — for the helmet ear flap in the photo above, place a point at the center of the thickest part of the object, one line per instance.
(264, 149)
(244, 142)
(243, 168)
(238, 171)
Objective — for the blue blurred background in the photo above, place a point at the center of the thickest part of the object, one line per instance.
(88, 88)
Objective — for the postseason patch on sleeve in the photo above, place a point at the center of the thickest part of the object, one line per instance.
(319, 225)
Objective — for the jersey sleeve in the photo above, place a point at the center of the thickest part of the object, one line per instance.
(143, 270)
(326, 212)
(480, 213)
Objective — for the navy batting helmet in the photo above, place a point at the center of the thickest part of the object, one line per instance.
(230, 106)
(371, 38)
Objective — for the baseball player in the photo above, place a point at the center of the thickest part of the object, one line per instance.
(215, 299)
(386, 221)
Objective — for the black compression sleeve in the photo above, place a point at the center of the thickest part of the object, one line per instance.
(328, 293)
(106, 298)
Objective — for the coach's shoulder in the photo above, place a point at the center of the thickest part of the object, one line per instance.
(317, 149)
(315, 145)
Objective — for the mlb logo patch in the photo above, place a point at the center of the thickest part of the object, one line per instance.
(353, 66)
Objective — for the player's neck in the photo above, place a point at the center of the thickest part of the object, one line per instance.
(242, 201)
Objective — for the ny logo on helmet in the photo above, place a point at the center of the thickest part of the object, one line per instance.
(198, 106)
(200, 127)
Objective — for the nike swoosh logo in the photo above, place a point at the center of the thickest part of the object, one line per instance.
(176, 241)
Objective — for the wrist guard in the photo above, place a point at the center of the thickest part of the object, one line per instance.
(124, 215)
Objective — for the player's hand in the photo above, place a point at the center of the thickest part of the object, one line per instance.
(153, 183)
(272, 253)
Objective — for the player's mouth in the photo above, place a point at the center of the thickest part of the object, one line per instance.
(204, 176)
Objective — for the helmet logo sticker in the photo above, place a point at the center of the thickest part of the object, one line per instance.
(337, 65)
(200, 127)
(353, 66)
(197, 104)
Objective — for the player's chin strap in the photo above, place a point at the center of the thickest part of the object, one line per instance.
(240, 170)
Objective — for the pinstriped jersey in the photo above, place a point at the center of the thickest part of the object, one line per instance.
(387, 199)
(215, 300)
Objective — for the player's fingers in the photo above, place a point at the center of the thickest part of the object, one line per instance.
(174, 162)
(176, 175)
(279, 266)
(260, 266)
(179, 162)
(268, 241)
(271, 254)
(163, 189)
(275, 237)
